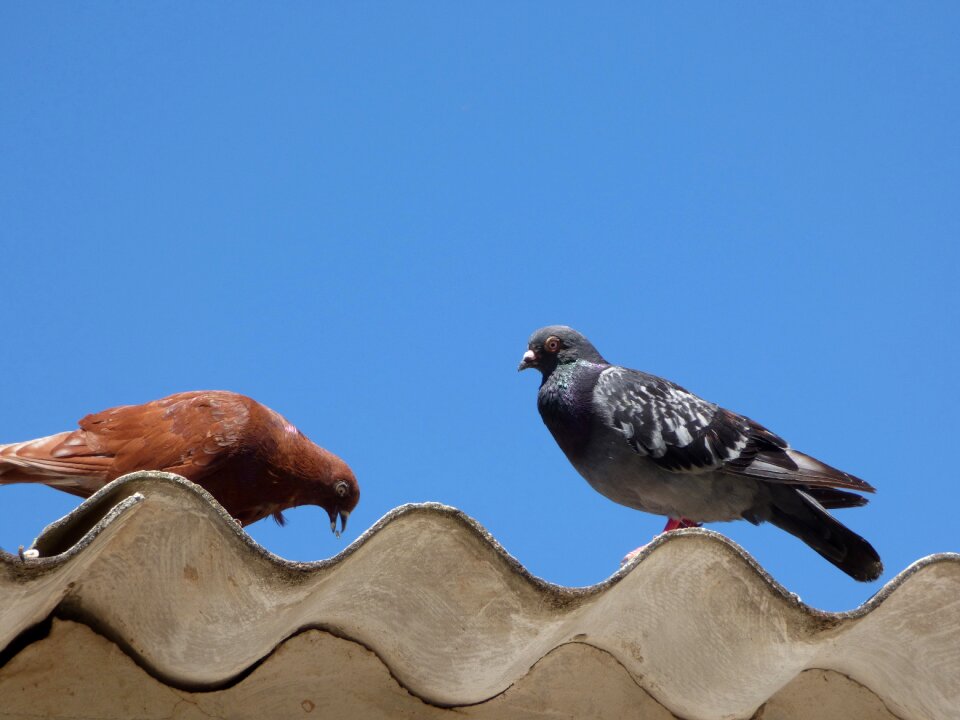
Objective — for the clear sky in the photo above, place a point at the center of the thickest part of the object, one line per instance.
(357, 213)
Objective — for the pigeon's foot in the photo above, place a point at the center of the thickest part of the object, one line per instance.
(678, 523)
(672, 524)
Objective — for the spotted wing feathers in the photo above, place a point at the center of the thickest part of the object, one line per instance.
(681, 432)
(672, 427)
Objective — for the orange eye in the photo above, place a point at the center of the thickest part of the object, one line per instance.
(552, 344)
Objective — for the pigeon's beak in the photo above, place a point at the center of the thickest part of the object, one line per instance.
(344, 514)
(529, 360)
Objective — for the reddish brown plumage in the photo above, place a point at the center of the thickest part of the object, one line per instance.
(251, 459)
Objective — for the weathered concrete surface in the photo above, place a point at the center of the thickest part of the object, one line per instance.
(311, 675)
(426, 612)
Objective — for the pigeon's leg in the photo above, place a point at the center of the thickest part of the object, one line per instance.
(677, 523)
(672, 524)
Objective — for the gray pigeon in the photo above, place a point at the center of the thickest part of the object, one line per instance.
(647, 443)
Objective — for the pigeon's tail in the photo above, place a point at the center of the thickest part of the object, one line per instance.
(795, 511)
(833, 499)
(52, 461)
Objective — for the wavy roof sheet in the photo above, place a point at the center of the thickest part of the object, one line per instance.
(149, 601)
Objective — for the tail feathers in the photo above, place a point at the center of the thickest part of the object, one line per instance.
(49, 460)
(817, 472)
(833, 499)
(802, 516)
(792, 467)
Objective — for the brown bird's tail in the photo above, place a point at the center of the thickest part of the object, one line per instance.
(795, 511)
(50, 460)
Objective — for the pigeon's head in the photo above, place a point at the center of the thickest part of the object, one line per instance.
(344, 494)
(557, 345)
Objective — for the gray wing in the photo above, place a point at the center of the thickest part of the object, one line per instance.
(673, 427)
(681, 432)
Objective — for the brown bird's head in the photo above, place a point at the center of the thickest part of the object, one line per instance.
(307, 474)
(344, 494)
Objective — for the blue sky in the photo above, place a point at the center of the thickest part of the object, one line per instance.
(357, 213)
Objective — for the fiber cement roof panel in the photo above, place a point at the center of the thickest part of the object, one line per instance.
(149, 601)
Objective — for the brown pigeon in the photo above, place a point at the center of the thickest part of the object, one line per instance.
(250, 458)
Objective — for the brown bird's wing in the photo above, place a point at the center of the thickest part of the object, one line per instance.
(190, 434)
(187, 433)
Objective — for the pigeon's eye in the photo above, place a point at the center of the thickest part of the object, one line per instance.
(552, 344)
(341, 489)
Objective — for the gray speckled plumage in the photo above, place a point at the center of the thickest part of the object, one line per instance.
(649, 444)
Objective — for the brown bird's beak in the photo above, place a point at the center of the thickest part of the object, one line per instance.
(529, 360)
(344, 514)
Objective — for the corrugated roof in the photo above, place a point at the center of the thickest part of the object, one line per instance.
(162, 606)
